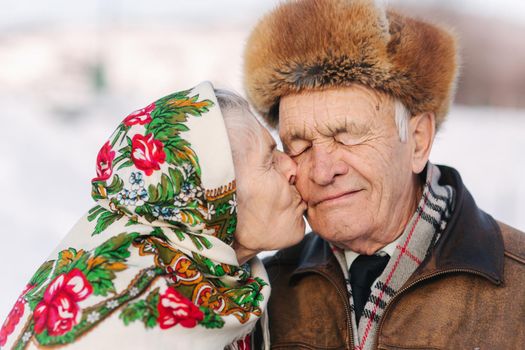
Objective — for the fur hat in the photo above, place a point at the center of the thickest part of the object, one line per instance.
(318, 44)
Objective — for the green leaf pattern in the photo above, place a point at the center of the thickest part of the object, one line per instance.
(126, 197)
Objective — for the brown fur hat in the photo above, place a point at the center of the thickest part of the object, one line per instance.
(318, 44)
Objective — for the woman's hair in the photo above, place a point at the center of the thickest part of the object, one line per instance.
(230, 100)
(244, 131)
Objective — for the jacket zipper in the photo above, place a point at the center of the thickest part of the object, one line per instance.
(424, 278)
(343, 296)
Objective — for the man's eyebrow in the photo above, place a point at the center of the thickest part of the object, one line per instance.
(347, 126)
(295, 133)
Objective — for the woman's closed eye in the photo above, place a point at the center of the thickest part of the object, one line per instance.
(270, 159)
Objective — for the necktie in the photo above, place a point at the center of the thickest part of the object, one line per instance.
(363, 272)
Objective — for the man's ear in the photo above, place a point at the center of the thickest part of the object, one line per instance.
(423, 130)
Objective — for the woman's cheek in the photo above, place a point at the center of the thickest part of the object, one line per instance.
(288, 200)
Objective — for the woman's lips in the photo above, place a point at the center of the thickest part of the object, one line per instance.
(301, 203)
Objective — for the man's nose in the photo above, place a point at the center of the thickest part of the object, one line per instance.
(325, 166)
(286, 166)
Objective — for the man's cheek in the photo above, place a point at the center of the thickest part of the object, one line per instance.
(304, 166)
(302, 183)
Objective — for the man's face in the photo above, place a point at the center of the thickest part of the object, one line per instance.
(353, 171)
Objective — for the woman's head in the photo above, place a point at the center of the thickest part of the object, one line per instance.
(269, 207)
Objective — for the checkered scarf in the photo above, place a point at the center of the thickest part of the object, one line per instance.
(420, 235)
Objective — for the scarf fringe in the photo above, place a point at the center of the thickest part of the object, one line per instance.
(240, 343)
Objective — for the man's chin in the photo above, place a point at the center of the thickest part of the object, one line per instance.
(336, 219)
(339, 235)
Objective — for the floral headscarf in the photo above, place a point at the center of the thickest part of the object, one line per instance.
(155, 253)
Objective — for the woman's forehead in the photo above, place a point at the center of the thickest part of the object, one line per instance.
(266, 137)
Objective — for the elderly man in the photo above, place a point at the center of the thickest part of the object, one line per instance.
(401, 257)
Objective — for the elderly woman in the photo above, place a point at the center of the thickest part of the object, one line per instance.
(166, 258)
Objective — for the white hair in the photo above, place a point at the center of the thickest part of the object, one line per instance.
(402, 116)
(244, 131)
(230, 100)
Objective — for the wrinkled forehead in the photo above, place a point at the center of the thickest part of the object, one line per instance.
(326, 110)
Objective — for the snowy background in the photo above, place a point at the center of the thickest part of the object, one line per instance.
(70, 71)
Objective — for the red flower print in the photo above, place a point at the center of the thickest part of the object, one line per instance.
(147, 153)
(14, 317)
(174, 308)
(104, 162)
(58, 311)
(142, 116)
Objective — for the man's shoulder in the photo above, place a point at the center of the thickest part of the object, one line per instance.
(514, 242)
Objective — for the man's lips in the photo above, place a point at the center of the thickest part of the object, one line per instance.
(333, 198)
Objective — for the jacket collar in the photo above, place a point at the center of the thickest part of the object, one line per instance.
(471, 242)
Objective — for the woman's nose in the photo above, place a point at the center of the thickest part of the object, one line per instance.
(286, 166)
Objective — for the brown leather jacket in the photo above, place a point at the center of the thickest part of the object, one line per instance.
(469, 293)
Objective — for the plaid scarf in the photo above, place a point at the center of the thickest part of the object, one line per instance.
(420, 235)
